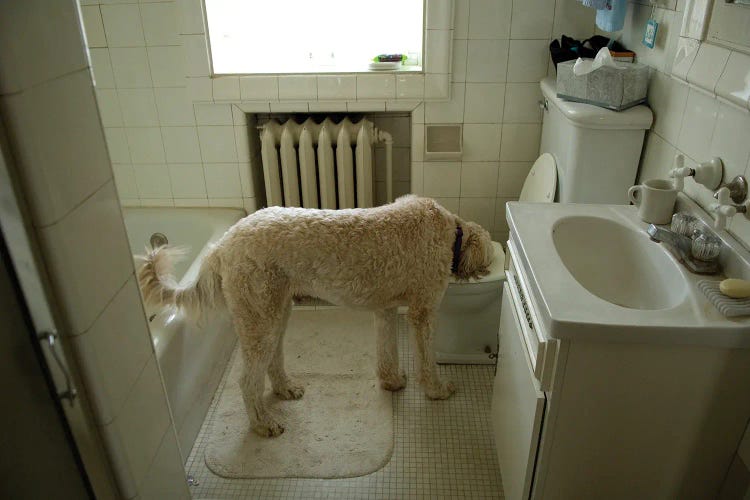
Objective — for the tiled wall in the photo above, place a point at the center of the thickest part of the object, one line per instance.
(689, 118)
(173, 135)
(57, 144)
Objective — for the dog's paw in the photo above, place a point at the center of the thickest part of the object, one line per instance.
(290, 392)
(268, 429)
(442, 390)
(394, 384)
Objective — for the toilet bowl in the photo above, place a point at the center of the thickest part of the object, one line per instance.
(588, 155)
(468, 318)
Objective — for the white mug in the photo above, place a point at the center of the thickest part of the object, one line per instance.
(655, 200)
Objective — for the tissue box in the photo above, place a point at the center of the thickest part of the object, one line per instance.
(608, 87)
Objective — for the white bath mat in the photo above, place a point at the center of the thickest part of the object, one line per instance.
(342, 426)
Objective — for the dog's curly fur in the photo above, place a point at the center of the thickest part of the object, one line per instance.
(375, 258)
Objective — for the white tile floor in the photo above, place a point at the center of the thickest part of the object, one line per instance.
(443, 449)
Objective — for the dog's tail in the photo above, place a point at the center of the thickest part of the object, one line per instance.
(159, 288)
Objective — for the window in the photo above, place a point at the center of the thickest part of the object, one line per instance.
(302, 36)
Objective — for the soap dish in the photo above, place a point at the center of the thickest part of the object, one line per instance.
(727, 306)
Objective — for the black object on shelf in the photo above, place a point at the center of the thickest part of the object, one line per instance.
(567, 48)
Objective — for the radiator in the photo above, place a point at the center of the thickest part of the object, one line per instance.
(322, 165)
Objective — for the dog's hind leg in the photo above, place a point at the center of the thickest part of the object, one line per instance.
(283, 386)
(391, 377)
(421, 319)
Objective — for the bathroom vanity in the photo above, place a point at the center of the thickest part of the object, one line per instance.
(616, 377)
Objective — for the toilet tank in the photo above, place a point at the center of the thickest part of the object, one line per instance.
(597, 150)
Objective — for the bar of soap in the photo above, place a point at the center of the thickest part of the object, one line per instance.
(737, 289)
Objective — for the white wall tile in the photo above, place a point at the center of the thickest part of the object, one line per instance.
(191, 16)
(196, 55)
(145, 144)
(658, 158)
(214, 114)
(687, 49)
(511, 177)
(489, 18)
(167, 68)
(298, 87)
(730, 140)
(439, 15)
(138, 107)
(522, 103)
(290, 107)
(667, 98)
(114, 351)
(217, 144)
(484, 102)
(442, 179)
(152, 181)
(160, 23)
(479, 210)
(102, 68)
(200, 88)
(461, 19)
(337, 87)
(227, 88)
(520, 142)
(437, 48)
(417, 142)
(451, 204)
(174, 107)
(187, 180)
(450, 111)
(46, 125)
(479, 179)
(500, 224)
(532, 18)
(242, 143)
(222, 180)
(458, 67)
(327, 106)
(436, 86)
(122, 24)
(117, 144)
(239, 117)
(376, 86)
(487, 61)
(27, 31)
(708, 66)
(130, 67)
(92, 22)
(263, 88)
(109, 107)
(735, 81)
(181, 144)
(88, 257)
(481, 142)
(697, 125)
(527, 60)
(417, 177)
(124, 181)
(143, 421)
(246, 180)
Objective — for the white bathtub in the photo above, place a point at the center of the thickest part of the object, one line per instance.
(191, 357)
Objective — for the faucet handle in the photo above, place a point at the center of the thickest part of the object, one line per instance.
(679, 172)
(723, 209)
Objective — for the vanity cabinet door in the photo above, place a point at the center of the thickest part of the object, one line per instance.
(517, 407)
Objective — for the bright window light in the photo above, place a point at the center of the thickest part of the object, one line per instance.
(302, 36)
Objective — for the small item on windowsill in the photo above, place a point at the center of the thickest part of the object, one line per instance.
(735, 288)
(387, 62)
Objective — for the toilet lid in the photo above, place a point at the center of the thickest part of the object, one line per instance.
(497, 268)
(541, 182)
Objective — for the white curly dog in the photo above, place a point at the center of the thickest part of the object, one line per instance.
(378, 258)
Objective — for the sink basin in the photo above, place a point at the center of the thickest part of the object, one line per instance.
(617, 264)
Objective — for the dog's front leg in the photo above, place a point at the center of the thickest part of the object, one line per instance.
(391, 377)
(421, 319)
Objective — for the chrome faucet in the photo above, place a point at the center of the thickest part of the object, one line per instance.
(699, 253)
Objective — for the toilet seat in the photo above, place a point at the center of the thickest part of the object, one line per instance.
(541, 183)
(497, 268)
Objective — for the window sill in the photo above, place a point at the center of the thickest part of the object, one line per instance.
(327, 70)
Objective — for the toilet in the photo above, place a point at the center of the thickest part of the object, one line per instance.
(588, 154)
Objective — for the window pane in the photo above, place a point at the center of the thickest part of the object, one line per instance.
(300, 36)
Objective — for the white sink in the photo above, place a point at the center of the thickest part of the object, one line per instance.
(592, 272)
(617, 264)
